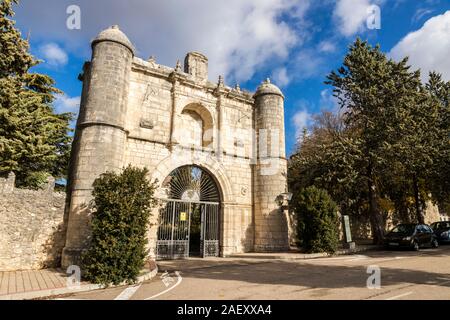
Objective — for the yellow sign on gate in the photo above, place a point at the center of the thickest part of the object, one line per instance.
(183, 216)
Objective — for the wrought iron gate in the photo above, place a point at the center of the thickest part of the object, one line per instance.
(173, 231)
(187, 187)
(209, 239)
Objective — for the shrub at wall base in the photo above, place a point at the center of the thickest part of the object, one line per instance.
(317, 220)
(119, 224)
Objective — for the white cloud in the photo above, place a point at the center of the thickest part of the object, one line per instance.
(302, 120)
(301, 8)
(280, 77)
(428, 48)
(53, 54)
(238, 36)
(420, 13)
(328, 101)
(64, 103)
(326, 46)
(351, 15)
(309, 64)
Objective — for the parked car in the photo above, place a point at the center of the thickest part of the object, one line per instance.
(442, 231)
(414, 236)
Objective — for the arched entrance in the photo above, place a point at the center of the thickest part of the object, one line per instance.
(188, 222)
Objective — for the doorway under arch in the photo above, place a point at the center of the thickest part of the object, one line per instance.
(188, 223)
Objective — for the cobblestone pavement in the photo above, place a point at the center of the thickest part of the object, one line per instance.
(403, 275)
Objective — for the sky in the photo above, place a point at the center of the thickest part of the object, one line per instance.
(294, 43)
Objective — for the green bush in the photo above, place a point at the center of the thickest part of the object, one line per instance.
(119, 225)
(317, 220)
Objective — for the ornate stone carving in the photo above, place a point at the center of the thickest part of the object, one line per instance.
(151, 92)
(220, 83)
(147, 124)
(178, 67)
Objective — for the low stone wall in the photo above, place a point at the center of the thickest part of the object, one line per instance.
(361, 225)
(32, 232)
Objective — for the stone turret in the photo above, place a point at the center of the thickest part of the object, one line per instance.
(271, 226)
(196, 64)
(100, 136)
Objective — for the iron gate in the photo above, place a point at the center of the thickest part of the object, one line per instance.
(209, 239)
(188, 187)
(174, 230)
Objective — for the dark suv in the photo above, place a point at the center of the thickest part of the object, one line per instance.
(442, 231)
(412, 236)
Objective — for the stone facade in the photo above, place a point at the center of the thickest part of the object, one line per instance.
(138, 112)
(32, 233)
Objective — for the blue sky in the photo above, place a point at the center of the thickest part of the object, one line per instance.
(295, 43)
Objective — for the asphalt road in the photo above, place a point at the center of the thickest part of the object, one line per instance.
(403, 275)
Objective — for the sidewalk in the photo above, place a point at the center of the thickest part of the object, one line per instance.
(297, 255)
(32, 284)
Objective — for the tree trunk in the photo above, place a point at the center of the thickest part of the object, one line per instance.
(418, 201)
(376, 220)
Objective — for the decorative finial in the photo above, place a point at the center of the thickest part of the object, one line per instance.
(152, 59)
(178, 66)
(116, 26)
(267, 80)
(220, 83)
(237, 87)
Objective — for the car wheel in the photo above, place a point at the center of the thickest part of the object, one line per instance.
(415, 246)
(434, 243)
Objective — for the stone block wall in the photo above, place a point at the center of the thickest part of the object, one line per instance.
(360, 225)
(32, 232)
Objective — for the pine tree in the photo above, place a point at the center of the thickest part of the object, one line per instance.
(439, 92)
(34, 141)
(411, 127)
(365, 89)
(389, 151)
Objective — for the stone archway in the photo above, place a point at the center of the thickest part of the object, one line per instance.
(189, 218)
(209, 164)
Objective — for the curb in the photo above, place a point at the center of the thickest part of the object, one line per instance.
(66, 290)
(303, 256)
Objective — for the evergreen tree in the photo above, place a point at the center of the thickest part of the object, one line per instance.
(365, 89)
(34, 141)
(389, 110)
(439, 92)
(123, 204)
(411, 123)
(389, 151)
(317, 220)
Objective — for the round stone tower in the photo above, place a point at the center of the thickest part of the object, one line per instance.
(271, 226)
(100, 136)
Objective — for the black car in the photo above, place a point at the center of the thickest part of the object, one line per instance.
(412, 236)
(442, 231)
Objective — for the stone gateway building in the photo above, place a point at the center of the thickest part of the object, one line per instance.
(216, 153)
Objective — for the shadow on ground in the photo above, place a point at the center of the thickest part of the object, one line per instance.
(318, 275)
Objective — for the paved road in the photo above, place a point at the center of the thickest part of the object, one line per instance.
(404, 275)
